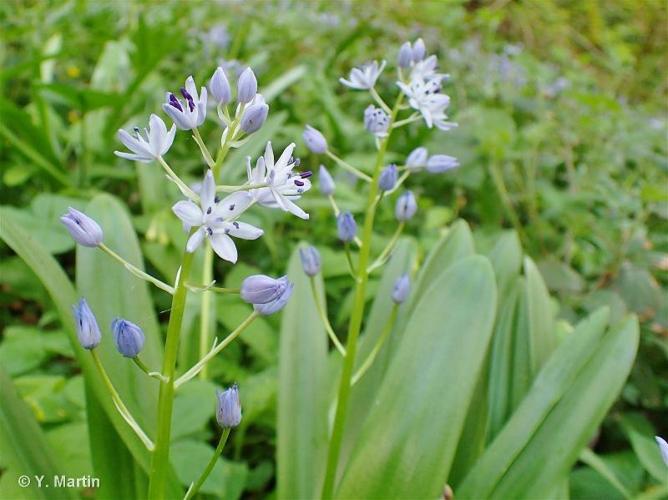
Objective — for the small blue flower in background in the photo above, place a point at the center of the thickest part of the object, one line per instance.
(417, 158)
(364, 77)
(228, 407)
(663, 447)
(405, 56)
(388, 178)
(261, 289)
(129, 338)
(219, 87)
(155, 142)
(406, 207)
(402, 288)
(191, 112)
(314, 140)
(88, 332)
(327, 185)
(376, 121)
(346, 226)
(83, 229)
(246, 86)
(441, 163)
(278, 303)
(310, 258)
(255, 115)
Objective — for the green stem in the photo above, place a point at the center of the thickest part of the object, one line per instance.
(118, 402)
(202, 147)
(379, 100)
(376, 348)
(355, 319)
(142, 366)
(347, 166)
(160, 461)
(349, 259)
(136, 271)
(386, 251)
(183, 187)
(215, 289)
(325, 320)
(213, 352)
(205, 311)
(209, 467)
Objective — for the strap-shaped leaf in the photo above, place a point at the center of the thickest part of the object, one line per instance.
(302, 391)
(409, 438)
(566, 403)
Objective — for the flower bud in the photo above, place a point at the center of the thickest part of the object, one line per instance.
(417, 158)
(278, 303)
(327, 185)
(376, 121)
(346, 226)
(254, 117)
(314, 140)
(310, 260)
(406, 207)
(441, 163)
(405, 55)
(663, 448)
(388, 178)
(129, 338)
(419, 50)
(228, 407)
(246, 86)
(83, 229)
(402, 288)
(261, 289)
(220, 87)
(88, 332)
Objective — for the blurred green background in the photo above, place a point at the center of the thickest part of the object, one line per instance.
(562, 112)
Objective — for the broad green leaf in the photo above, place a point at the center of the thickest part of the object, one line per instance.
(571, 424)
(506, 258)
(641, 434)
(227, 478)
(566, 403)
(501, 361)
(408, 442)
(364, 391)
(64, 296)
(595, 462)
(540, 317)
(302, 391)
(25, 448)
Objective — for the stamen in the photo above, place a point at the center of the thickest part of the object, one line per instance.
(174, 102)
(306, 174)
(208, 211)
(298, 183)
(209, 231)
(188, 98)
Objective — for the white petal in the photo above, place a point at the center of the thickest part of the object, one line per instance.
(157, 134)
(191, 88)
(269, 156)
(208, 193)
(169, 139)
(133, 157)
(188, 212)
(201, 107)
(260, 171)
(294, 209)
(195, 240)
(233, 205)
(224, 247)
(244, 231)
(134, 144)
(284, 158)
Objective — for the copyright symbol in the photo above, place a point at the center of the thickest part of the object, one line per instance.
(24, 481)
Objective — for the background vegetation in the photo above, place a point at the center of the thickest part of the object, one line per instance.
(562, 137)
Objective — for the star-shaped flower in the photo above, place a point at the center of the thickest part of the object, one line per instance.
(155, 142)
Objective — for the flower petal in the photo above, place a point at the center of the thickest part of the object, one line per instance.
(244, 230)
(188, 212)
(195, 240)
(224, 247)
(208, 192)
(233, 205)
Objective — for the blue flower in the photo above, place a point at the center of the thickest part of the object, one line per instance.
(228, 408)
(129, 338)
(310, 258)
(346, 226)
(88, 332)
(402, 288)
(314, 140)
(83, 229)
(406, 207)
